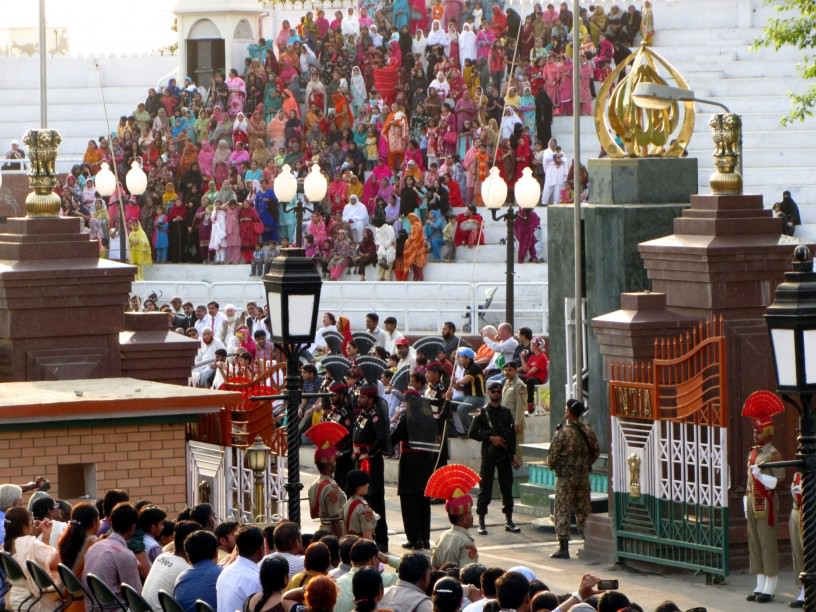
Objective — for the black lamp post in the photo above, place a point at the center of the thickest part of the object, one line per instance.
(293, 295)
(527, 193)
(791, 323)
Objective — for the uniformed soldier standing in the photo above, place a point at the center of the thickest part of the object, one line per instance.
(371, 438)
(358, 517)
(326, 498)
(795, 532)
(494, 428)
(514, 398)
(762, 509)
(342, 413)
(455, 545)
(416, 434)
(573, 450)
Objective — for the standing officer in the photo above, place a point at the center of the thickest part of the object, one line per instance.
(514, 398)
(370, 440)
(762, 509)
(494, 428)
(416, 434)
(573, 450)
(342, 413)
(326, 499)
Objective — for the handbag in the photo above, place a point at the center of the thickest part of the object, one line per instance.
(258, 226)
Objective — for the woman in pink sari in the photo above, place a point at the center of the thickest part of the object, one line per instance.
(484, 41)
(337, 193)
(552, 75)
(276, 131)
(317, 228)
(289, 63)
(282, 41)
(237, 93)
(233, 233)
(565, 88)
(205, 158)
(382, 171)
(465, 110)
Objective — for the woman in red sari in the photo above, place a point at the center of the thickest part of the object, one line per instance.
(524, 154)
(247, 218)
(469, 228)
(337, 193)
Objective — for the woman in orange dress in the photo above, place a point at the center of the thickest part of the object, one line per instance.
(415, 254)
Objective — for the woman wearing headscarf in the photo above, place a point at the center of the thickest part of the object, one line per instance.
(359, 95)
(415, 254)
(138, 249)
(205, 158)
(418, 45)
(437, 36)
(484, 41)
(316, 92)
(434, 225)
(285, 34)
(418, 19)
(233, 231)
(248, 219)
(465, 111)
(237, 92)
(410, 197)
(395, 131)
(366, 253)
(276, 131)
(400, 13)
(221, 154)
(527, 108)
(341, 257)
(176, 216)
(446, 144)
(467, 45)
(202, 226)
(317, 227)
(469, 228)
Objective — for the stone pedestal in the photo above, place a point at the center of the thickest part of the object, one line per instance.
(151, 351)
(61, 306)
(631, 200)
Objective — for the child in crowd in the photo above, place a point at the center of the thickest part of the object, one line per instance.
(258, 258)
(270, 252)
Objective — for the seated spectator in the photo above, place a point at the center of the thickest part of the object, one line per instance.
(240, 579)
(274, 577)
(110, 559)
(168, 566)
(23, 544)
(287, 544)
(199, 581)
(316, 562)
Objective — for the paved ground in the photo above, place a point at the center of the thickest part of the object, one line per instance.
(533, 546)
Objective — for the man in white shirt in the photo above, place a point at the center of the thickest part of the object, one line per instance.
(356, 215)
(372, 327)
(167, 566)
(504, 344)
(230, 324)
(286, 542)
(406, 354)
(241, 578)
(214, 319)
(206, 354)
(391, 334)
(201, 322)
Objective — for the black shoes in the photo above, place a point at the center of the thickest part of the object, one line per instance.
(563, 550)
(798, 603)
(763, 598)
(482, 526)
(510, 526)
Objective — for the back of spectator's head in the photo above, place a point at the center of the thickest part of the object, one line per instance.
(201, 545)
(390, 320)
(346, 542)
(42, 506)
(413, 567)
(286, 537)
(274, 574)
(334, 548)
(488, 581)
(9, 494)
(362, 552)
(667, 606)
(204, 515)
(310, 369)
(536, 586)
(447, 595)
(544, 600)
(491, 605)
(472, 574)
(150, 516)
(367, 586)
(123, 518)
(512, 589)
(525, 332)
(317, 558)
(113, 497)
(250, 541)
(612, 601)
(320, 594)
(184, 515)
(183, 529)
(225, 529)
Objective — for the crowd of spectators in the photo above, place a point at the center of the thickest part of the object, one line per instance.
(404, 107)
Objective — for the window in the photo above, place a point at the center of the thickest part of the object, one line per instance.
(77, 480)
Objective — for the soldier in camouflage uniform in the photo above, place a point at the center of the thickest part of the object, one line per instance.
(573, 450)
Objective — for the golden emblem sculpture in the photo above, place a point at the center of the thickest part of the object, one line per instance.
(726, 130)
(42, 152)
(634, 475)
(627, 130)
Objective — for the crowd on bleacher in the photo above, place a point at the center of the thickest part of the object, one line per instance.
(128, 554)
(404, 108)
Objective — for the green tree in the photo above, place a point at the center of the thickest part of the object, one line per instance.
(798, 29)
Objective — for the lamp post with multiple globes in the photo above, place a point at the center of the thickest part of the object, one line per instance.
(527, 192)
(105, 183)
(286, 187)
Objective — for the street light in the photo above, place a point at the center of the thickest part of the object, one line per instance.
(293, 295)
(494, 194)
(791, 320)
(285, 186)
(257, 457)
(105, 182)
(136, 179)
(660, 97)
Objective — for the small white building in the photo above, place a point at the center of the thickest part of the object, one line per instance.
(213, 36)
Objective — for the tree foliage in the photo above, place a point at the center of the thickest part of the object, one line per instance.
(797, 28)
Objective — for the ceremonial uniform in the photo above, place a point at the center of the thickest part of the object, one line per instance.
(762, 511)
(343, 414)
(358, 516)
(416, 434)
(495, 421)
(326, 501)
(573, 450)
(454, 546)
(370, 439)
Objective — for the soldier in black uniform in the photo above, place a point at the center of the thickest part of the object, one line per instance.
(343, 413)
(371, 440)
(416, 434)
(494, 428)
(435, 392)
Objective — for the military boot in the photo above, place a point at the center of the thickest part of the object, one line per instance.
(509, 525)
(482, 526)
(563, 550)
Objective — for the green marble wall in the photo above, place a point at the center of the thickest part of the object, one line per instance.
(611, 232)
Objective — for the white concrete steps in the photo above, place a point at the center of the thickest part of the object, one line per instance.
(73, 95)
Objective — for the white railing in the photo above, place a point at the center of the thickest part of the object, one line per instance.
(419, 307)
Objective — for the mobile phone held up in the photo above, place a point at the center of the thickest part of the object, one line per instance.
(608, 585)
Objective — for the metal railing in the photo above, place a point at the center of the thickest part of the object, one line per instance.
(418, 307)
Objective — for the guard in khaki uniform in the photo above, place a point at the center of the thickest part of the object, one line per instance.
(326, 498)
(514, 398)
(795, 533)
(358, 517)
(452, 483)
(761, 499)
